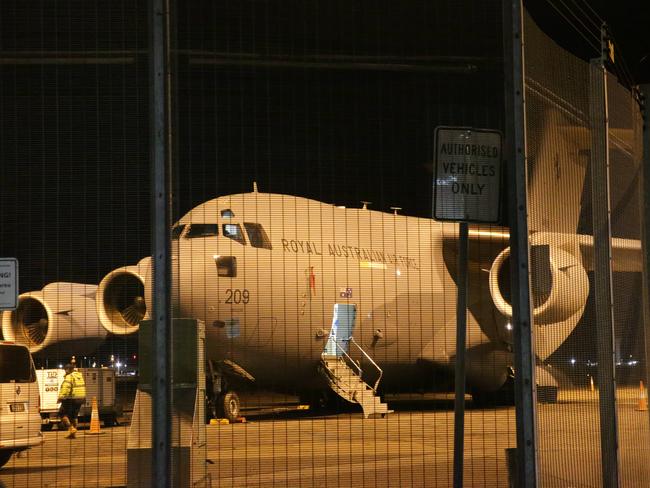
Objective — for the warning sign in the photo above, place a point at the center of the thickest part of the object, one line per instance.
(467, 179)
(8, 283)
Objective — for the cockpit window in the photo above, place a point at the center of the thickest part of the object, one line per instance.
(177, 230)
(227, 214)
(202, 230)
(233, 231)
(257, 236)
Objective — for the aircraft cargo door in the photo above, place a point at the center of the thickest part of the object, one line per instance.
(342, 328)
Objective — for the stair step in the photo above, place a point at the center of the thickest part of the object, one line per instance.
(348, 384)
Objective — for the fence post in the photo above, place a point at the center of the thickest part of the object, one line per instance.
(160, 144)
(603, 293)
(644, 191)
(516, 169)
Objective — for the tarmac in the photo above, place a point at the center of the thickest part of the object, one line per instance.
(412, 447)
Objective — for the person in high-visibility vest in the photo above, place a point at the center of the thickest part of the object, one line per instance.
(72, 396)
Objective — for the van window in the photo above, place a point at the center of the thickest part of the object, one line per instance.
(202, 230)
(233, 231)
(257, 236)
(16, 365)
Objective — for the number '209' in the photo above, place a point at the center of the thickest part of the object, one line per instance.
(237, 296)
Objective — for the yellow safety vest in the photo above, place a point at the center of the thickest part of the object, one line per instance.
(73, 387)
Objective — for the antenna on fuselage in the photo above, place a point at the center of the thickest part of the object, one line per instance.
(254, 186)
(395, 209)
(365, 204)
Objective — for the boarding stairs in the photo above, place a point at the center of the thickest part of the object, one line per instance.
(344, 377)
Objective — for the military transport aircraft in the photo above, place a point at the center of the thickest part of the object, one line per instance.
(305, 296)
(300, 295)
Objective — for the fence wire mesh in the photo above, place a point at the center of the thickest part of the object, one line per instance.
(314, 332)
(561, 95)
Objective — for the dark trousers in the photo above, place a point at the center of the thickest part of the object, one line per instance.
(70, 409)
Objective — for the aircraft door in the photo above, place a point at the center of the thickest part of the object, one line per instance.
(342, 328)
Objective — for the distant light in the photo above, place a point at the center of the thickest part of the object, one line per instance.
(509, 326)
(60, 365)
(573, 360)
(398, 273)
(118, 364)
(632, 362)
(94, 364)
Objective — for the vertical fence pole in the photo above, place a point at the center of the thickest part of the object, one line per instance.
(160, 144)
(600, 201)
(645, 224)
(515, 157)
(461, 334)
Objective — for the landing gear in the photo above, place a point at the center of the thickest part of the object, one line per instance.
(221, 401)
(318, 401)
(229, 406)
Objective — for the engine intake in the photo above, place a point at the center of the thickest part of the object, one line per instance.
(560, 287)
(560, 284)
(61, 312)
(121, 301)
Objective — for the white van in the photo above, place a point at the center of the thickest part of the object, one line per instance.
(20, 420)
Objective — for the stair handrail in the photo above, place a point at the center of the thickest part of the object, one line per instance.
(381, 373)
(347, 356)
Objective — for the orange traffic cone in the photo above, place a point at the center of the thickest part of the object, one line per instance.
(643, 398)
(94, 419)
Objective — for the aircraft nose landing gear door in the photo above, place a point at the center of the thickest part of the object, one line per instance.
(342, 328)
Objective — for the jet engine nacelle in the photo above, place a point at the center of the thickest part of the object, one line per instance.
(560, 287)
(120, 300)
(59, 313)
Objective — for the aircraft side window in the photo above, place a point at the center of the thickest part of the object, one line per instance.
(177, 230)
(233, 231)
(226, 266)
(227, 214)
(257, 236)
(202, 230)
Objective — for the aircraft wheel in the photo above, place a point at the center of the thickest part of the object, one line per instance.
(229, 406)
(5, 456)
(318, 401)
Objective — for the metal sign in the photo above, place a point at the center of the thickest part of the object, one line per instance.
(467, 180)
(8, 283)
